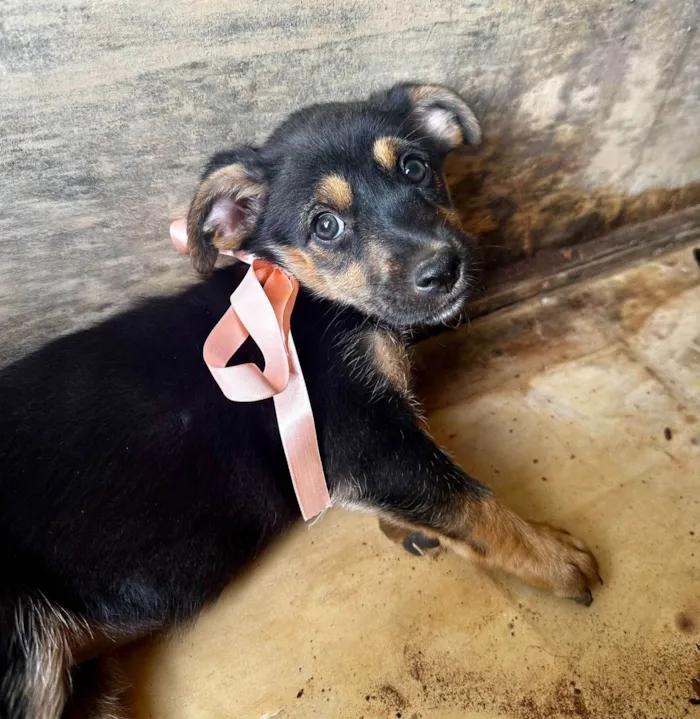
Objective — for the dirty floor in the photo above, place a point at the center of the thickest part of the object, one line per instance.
(581, 408)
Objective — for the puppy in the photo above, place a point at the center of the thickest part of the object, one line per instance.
(132, 491)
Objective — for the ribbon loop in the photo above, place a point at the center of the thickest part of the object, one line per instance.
(261, 308)
(259, 311)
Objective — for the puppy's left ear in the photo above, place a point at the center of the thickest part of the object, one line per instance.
(436, 111)
(226, 206)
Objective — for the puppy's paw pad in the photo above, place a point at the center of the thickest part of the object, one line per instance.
(420, 545)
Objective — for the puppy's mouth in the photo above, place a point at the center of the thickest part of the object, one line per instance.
(446, 310)
(451, 310)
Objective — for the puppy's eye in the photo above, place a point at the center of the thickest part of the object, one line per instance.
(328, 227)
(415, 169)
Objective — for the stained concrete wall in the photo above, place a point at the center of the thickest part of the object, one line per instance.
(108, 107)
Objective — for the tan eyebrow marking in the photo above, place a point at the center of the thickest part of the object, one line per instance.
(335, 191)
(385, 151)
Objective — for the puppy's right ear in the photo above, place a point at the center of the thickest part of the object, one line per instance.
(226, 206)
(435, 111)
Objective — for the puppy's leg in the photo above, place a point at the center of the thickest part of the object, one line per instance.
(401, 474)
(488, 533)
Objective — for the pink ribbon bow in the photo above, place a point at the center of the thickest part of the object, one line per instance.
(261, 308)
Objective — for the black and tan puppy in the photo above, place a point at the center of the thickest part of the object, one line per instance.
(132, 491)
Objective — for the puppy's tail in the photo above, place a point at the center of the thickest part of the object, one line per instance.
(33, 657)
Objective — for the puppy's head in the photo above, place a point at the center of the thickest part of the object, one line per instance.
(351, 199)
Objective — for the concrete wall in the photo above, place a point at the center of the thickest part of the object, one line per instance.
(108, 107)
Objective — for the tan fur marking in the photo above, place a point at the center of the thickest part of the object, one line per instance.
(488, 533)
(386, 152)
(456, 136)
(228, 182)
(491, 534)
(350, 282)
(302, 266)
(334, 284)
(396, 532)
(326, 274)
(430, 93)
(391, 360)
(322, 254)
(425, 96)
(232, 181)
(229, 242)
(335, 191)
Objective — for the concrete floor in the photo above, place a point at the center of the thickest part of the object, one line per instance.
(581, 408)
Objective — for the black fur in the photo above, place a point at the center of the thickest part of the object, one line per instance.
(132, 491)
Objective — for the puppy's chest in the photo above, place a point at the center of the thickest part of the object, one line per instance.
(379, 359)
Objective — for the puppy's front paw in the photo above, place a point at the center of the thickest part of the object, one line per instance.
(565, 564)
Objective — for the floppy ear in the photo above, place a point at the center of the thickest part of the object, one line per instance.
(226, 206)
(437, 111)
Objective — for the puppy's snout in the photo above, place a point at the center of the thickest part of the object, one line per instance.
(439, 273)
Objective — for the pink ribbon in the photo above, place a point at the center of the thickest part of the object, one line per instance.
(261, 308)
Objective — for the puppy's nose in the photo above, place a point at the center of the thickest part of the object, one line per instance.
(438, 273)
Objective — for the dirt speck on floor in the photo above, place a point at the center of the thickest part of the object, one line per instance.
(686, 623)
(390, 699)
